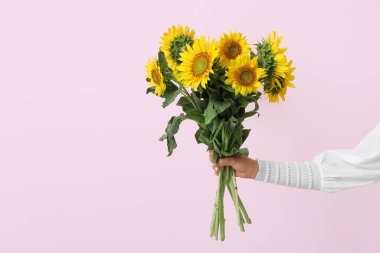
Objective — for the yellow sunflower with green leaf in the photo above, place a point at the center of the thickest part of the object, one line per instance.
(174, 41)
(197, 62)
(279, 70)
(155, 77)
(244, 75)
(232, 46)
(279, 57)
(279, 89)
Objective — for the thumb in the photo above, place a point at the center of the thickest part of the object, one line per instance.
(228, 161)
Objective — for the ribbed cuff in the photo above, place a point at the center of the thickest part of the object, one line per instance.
(304, 175)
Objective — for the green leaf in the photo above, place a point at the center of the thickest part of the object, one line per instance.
(163, 137)
(163, 64)
(150, 90)
(228, 88)
(253, 112)
(215, 145)
(245, 134)
(198, 134)
(173, 124)
(214, 108)
(233, 121)
(186, 105)
(243, 152)
(249, 114)
(234, 137)
(202, 136)
(221, 106)
(234, 151)
(215, 157)
(212, 93)
(196, 116)
(242, 102)
(210, 113)
(226, 133)
(171, 144)
(196, 99)
(218, 124)
(170, 97)
(170, 130)
(162, 61)
(170, 94)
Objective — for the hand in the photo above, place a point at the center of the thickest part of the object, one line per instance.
(244, 166)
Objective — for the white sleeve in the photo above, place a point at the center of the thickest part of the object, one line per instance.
(331, 170)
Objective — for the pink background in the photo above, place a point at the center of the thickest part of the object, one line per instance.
(81, 168)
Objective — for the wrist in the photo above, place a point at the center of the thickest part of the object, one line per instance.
(255, 168)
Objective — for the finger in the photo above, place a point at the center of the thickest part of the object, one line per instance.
(216, 170)
(210, 155)
(229, 161)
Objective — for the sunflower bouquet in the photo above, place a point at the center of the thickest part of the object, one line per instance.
(216, 81)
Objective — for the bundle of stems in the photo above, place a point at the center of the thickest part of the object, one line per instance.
(227, 179)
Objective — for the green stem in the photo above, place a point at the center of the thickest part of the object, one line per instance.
(221, 206)
(214, 225)
(196, 105)
(218, 206)
(186, 91)
(214, 213)
(191, 100)
(218, 222)
(230, 187)
(235, 198)
(245, 214)
(227, 175)
(186, 94)
(196, 100)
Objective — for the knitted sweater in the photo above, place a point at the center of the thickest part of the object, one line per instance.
(331, 170)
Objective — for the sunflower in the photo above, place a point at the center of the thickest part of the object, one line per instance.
(174, 41)
(231, 46)
(197, 63)
(153, 74)
(244, 75)
(272, 58)
(279, 69)
(278, 55)
(279, 88)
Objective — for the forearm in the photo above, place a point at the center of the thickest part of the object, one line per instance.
(306, 175)
(331, 170)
